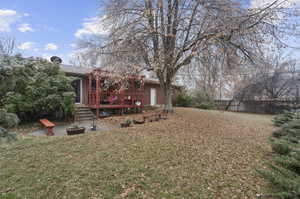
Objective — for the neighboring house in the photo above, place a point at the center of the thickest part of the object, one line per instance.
(148, 93)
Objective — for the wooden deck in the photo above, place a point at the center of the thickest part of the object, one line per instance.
(117, 95)
(114, 106)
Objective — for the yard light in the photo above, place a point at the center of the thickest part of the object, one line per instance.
(93, 127)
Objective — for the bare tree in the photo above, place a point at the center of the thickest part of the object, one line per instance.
(7, 45)
(276, 78)
(168, 34)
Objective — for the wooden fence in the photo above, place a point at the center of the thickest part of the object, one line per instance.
(258, 106)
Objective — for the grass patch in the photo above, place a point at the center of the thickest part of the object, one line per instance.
(194, 154)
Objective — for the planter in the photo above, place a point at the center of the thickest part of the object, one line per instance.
(138, 122)
(75, 131)
(125, 124)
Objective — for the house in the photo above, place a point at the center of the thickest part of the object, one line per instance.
(91, 90)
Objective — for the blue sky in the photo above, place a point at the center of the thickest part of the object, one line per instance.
(52, 27)
(47, 27)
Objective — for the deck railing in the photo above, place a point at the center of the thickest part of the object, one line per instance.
(92, 98)
(101, 98)
(126, 98)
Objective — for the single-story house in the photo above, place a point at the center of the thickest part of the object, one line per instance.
(89, 90)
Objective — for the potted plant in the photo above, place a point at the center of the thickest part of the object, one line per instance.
(126, 123)
(139, 121)
(74, 130)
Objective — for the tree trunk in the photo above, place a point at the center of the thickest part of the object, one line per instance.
(168, 106)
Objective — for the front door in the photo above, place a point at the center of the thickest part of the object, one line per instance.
(77, 88)
(152, 96)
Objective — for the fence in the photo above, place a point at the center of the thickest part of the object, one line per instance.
(258, 106)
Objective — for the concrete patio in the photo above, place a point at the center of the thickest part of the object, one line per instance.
(60, 130)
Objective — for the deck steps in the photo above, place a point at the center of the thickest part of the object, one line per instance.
(83, 113)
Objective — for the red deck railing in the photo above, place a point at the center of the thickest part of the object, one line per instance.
(100, 98)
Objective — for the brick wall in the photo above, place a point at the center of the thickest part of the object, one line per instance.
(159, 94)
(160, 99)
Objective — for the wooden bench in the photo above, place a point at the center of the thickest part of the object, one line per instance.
(151, 117)
(49, 125)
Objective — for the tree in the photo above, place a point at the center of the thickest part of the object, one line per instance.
(168, 34)
(7, 45)
(37, 89)
(275, 78)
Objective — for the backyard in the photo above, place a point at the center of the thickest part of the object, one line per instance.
(193, 154)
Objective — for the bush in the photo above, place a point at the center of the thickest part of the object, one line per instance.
(281, 147)
(293, 124)
(7, 120)
(196, 99)
(205, 106)
(279, 133)
(284, 170)
(291, 162)
(284, 175)
(6, 136)
(285, 183)
(40, 90)
(290, 130)
(285, 117)
(203, 101)
(184, 100)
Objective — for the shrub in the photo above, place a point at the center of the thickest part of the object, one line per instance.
(202, 100)
(279, 133)
(205, 106)
(285, 117)
(291, 162)
(285, 183)
(281, 147)
(7, 120)
(289, 131)
(293, 124)
(40, 90)
(6, 136)
(184, 100)
(284, 171)
(284, 175)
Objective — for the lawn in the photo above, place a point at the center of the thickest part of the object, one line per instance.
(193, 154)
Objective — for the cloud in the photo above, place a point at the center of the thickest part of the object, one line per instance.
(7, 18)
(26, 45)
(49, 28)
(72, 45)
(51, 46)
(92, 26)
(25, 27)
(264, 3)
(46, 56)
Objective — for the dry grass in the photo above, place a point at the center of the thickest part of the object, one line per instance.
(193, 154)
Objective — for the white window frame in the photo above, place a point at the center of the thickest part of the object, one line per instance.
(154, 97)
(81, 92)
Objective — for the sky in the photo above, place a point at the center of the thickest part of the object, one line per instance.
(52, 27)
(48, 27)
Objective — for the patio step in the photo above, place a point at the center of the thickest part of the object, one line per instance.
(83, 113)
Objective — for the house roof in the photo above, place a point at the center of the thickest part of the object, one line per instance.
(156, 81)
(81, 71)
(152, 81)
(75, 69)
